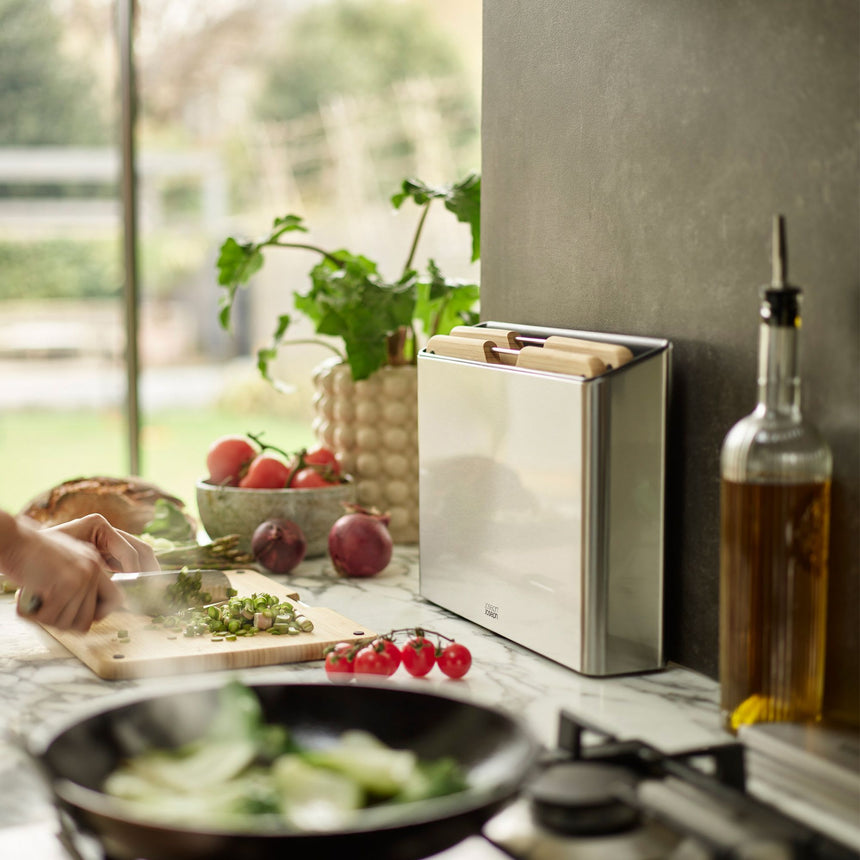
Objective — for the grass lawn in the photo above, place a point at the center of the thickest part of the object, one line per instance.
(39, 449)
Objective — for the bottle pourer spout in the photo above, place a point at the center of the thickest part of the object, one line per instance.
(779, 252)
(781, 302)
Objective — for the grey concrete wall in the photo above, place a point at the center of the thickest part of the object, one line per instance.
(633, 154)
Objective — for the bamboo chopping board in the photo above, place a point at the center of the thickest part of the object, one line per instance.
(159, 651)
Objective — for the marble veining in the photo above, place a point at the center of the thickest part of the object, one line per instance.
(41, 685)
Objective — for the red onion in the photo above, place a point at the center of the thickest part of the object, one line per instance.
(359, 543)
(278, 545)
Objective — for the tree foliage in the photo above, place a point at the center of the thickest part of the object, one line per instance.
(45, 98)
(352, 47)
(60, 269)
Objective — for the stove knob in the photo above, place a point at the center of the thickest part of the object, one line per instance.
(583, 798)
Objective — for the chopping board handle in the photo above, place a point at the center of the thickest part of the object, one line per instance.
(560, 361)
(463, 347)
(499, 337)
(611, 354)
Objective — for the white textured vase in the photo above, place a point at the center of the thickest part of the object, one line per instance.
(372, 426)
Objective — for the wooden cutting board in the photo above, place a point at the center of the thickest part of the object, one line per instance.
(149, 653)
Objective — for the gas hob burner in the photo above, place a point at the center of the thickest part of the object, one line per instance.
(583, 798)
(612, 799)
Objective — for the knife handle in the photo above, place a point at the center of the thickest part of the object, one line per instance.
(28, 603)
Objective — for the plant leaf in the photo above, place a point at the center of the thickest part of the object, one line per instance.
(441, 303)
(265, 356)
(419, 191)
(237, 262)
(350, 301)
(168, 521)
(464, 200)
(225, 306)
(285, 224)
(283, 324)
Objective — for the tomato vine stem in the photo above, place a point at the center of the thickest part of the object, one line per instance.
(390, 635)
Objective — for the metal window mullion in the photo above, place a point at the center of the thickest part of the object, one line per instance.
(128, 101)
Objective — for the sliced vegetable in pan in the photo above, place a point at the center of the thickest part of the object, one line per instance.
(246, 774)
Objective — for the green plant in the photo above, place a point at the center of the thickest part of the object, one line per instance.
(349, 299)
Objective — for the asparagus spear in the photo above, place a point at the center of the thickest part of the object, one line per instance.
(223, 553)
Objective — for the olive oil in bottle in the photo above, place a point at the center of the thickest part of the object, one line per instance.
(774, 532)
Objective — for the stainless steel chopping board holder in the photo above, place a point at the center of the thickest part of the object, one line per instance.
(542, 500)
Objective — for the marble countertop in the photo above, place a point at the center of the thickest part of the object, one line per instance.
(673, 709)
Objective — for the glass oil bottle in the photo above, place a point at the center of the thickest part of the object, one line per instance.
(774, 532)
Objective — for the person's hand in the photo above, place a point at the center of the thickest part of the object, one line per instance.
(62, 569)
(65, 577)
(119, 550)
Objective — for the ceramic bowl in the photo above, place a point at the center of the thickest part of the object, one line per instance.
(235, 510)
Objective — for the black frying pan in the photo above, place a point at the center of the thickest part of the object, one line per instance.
(493, 749)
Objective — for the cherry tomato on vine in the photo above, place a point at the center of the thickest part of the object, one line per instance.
(337, 662)
(392, 650)
(454, 660)
(308, 478)
(228, 457)
(419, 655)
(323, 457)
(374, 660)
(266, 472)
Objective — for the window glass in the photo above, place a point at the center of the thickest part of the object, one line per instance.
(61, 314)
(247, 111)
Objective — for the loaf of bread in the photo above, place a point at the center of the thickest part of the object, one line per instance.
(126, 503)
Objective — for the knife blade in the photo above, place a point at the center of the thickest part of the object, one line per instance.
(160, 592)
(157, 592)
